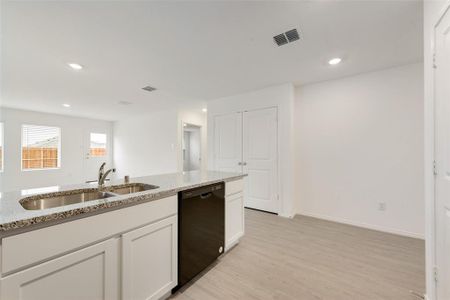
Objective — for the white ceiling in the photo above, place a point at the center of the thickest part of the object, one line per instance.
(191, 51)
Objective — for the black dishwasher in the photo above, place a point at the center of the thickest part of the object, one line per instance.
(201, 229)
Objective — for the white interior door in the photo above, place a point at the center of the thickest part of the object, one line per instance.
(260, 144)
(228, 142)
(442, 153)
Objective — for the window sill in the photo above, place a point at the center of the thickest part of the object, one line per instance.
(40, 169)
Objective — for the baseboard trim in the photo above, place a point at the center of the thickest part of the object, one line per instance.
(364, 225)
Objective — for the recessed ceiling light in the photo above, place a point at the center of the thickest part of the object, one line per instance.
(334, 61)
(204, 110)
(66, 105)
(75, 66)
(184, 125)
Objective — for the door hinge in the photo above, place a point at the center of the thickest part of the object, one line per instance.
(435, 273)
(434, 168)
(434, 61)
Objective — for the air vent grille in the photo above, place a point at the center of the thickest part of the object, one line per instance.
(280, 39)
(149, 88)
(287, 37)
(292, 35)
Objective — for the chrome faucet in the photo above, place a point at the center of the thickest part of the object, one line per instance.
(102, 175)
(101, 171)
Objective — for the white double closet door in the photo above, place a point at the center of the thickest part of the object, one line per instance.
(248, 142)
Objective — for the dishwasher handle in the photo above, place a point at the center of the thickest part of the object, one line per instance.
(205, 195)
(203, 192)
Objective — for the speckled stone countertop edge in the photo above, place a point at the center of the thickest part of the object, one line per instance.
(103, 206)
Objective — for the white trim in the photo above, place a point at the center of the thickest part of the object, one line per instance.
(180, 150)
(365, 225)
(2, 141)
(429, 157)
(288, 216)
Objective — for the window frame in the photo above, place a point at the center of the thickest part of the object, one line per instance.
(59, 160)
(2, 141)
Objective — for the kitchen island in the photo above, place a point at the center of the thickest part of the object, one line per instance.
(119, 247)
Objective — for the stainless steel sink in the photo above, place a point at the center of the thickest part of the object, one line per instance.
(131, 188)
(44, 201)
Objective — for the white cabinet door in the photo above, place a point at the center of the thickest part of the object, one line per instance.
(90, 273)
(442, 152)
(234, 219)
(260, 148)
(228, 142)
(149, 260)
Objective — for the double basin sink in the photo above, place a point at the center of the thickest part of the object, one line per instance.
(43, 201)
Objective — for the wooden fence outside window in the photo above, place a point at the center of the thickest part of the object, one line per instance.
(39, 158)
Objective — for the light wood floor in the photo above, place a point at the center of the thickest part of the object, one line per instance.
(307, 258)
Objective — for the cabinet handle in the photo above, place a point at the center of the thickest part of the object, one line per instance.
(244, 163)
(240, 163)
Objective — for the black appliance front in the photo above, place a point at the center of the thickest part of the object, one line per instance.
(201, 229)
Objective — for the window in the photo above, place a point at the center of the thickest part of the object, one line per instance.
(98, 145)
(41, 147)
(1, 147)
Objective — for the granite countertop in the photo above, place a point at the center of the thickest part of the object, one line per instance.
(15, 219)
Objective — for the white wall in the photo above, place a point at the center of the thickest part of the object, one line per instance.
(194, 150)
(146, 145)
(73, 136)
(282, 97)
(198, 118)
(359, 142)
(432, 11)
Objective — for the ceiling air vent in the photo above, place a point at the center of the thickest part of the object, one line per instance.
(292, 35)
(287, 37)
(280, 39)
(149, 88)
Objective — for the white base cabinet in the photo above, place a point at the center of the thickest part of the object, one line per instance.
(130, 253)
(149, 260)
(90, 273)
(234, 213)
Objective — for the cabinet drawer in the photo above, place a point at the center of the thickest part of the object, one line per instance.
(234, 187)
(28, 248)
